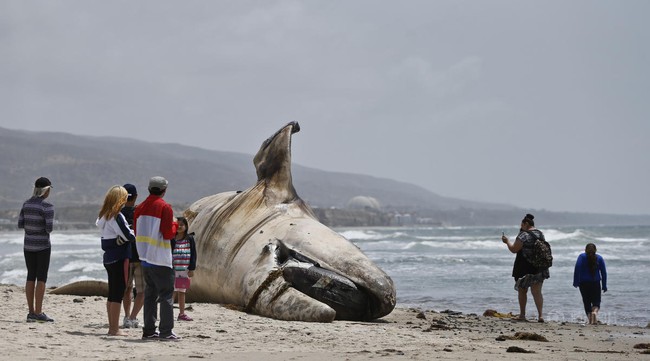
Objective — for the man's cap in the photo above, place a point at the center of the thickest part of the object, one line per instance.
(158, 182)
(42, 182)
(131, 190)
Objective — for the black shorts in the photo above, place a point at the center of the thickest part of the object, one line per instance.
(38, 264)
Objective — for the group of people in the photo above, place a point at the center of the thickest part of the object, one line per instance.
(148, 246)
(143, 244)
(588, 275)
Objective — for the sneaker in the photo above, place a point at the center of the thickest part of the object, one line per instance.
(42, 317)
(135, 323)
(31, 317)
(171, 337)
(153, 336)
(126, 322)
(184, 317)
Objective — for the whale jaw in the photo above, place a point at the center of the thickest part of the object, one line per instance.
(299, 288)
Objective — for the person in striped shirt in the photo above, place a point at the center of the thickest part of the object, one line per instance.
(37, 219)
(184, 261)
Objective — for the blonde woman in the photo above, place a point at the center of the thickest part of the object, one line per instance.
(116, 236)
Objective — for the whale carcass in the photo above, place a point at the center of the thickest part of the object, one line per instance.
(264, 250)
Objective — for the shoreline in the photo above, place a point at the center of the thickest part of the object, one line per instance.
(219, 332)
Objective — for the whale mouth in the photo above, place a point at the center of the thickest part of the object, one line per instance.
(350, 301)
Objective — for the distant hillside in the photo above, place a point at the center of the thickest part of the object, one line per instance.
(83, 167)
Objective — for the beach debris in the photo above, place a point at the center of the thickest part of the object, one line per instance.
(421, 315)
(644, 346)
(601, 351)
(518, 350)
(438, 325)
(494, 313)
(452, 313)
(78, 300)
(389, 351)
(528, 336)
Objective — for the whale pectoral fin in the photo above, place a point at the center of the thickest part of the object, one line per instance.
(280, 301)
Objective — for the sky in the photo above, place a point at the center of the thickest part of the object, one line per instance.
(536, 104)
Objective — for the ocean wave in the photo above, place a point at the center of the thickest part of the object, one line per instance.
(56, 238)
(83, 252)
(362, 235)
(14, 276)
(82, 266)
(83, 278)
(442, 238)
(70, 239)
(370, 235)
(469, 245)
(621, 240)
(20, 254)
(12, 238)
(14, 272)
(557, 235)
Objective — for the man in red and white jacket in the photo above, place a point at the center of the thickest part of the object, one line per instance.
(155, 226)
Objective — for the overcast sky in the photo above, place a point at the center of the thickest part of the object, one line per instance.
(538, 104)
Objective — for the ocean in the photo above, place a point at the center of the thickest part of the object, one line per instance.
(463, 269)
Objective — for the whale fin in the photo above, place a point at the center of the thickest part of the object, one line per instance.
(278, 300)
(83, 288)
(273, 165)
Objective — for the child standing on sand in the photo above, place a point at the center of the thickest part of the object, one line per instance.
(184, 262)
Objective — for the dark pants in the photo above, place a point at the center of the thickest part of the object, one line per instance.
(159, 287)
(590, 292)
(116, 280)
(38, 264)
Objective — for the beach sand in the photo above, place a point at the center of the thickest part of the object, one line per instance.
(221, 333)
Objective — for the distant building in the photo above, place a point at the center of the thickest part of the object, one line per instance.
(364, 202)
(400, 219)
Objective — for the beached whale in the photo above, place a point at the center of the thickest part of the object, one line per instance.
(264, 250)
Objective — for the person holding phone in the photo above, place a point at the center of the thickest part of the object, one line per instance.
(525, 274)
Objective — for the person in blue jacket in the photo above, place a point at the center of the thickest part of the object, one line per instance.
(589, 272)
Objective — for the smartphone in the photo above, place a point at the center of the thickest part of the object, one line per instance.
(503, 233)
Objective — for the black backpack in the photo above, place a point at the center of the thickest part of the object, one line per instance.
(541, 257)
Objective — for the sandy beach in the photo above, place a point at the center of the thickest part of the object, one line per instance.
(219, 332)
